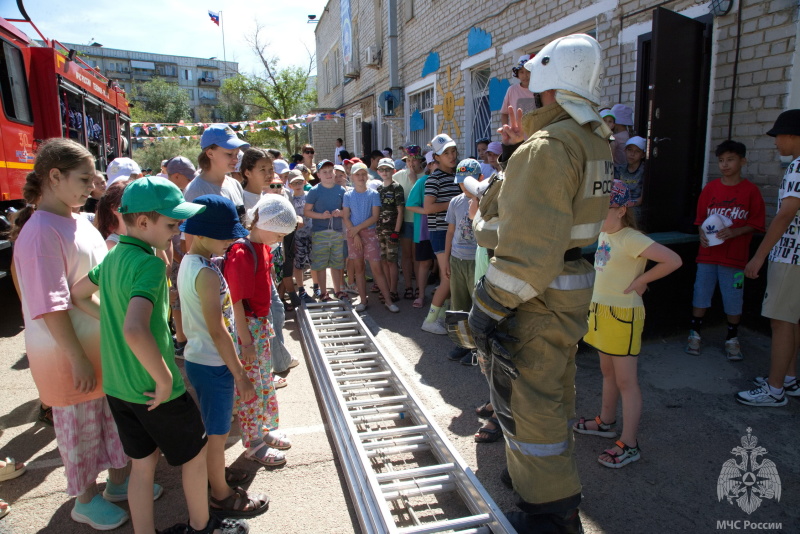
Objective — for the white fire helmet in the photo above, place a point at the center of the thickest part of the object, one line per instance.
(571, 63)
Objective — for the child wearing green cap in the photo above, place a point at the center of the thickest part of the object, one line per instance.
(145, 390)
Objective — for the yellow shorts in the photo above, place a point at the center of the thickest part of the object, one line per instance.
(615, 331)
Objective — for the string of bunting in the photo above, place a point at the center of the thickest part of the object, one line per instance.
(241, 127)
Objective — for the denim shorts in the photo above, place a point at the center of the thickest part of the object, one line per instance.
(214, 386)
(407, 231)
(438, 240)
(731, 285)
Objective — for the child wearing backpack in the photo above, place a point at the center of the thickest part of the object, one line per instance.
(247, 271)
(212, 359)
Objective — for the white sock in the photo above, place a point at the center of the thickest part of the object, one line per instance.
(788, 380)
(778, 392)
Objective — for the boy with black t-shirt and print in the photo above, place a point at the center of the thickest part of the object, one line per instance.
(782, 297)
(734, 199)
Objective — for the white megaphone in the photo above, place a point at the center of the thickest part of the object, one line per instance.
(474, 187)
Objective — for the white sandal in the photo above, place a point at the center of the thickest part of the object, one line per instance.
(10, 471)
(277, 440)
(270, 457)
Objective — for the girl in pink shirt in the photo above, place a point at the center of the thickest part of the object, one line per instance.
(53, 251)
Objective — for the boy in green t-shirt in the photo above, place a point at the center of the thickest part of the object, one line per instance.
(145, 390)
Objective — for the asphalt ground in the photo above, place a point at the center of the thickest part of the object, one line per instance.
(690, 425)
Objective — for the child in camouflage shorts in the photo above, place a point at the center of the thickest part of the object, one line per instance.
(390, 222)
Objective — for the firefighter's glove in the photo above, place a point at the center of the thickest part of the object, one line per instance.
(484, 317)
(458, 329)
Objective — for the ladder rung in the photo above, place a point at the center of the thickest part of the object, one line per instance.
(448, 524)
(395, 408)
(403, 449)
(433, 489)
(391, 432)
(377, 401)
(381, 416)
(364, 376)
(416, 472)
(417, 483)
(353, 364)
(393, 442)
(359, 387)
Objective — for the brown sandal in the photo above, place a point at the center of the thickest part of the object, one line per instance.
(236, 505)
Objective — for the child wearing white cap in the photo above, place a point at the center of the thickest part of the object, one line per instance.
(519, 96)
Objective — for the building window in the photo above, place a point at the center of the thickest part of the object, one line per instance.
(421, 106)
(337, 67)
(187, 75)
(357, 145)
(481, 115)
(190, 92)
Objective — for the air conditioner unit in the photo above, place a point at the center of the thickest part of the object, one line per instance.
(351, 69)
(372, 57)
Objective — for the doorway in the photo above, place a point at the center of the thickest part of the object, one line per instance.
(674, 68)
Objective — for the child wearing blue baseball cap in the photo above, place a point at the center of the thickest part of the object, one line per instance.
(616, 320)
(212, 355)
(219, 155)
(145, 391)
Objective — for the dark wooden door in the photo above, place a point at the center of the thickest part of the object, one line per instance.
(677, 110)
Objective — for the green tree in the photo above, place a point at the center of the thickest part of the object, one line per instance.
(276, 93)
(159, 101)
(153, 154)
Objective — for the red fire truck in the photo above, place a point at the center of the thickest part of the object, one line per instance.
(48, 91)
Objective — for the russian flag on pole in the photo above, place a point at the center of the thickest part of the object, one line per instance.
(214, 17)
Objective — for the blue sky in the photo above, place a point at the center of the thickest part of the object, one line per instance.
(178, 27)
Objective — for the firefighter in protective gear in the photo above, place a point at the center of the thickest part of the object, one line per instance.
(534, 299)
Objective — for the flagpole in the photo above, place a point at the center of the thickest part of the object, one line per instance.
(224, 57)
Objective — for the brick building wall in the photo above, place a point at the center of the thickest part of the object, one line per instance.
(767, 82)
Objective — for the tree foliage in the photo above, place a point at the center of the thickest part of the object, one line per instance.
(275, 93)
(151, 156)
(157, 100)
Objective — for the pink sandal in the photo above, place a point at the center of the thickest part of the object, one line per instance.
(418, 302)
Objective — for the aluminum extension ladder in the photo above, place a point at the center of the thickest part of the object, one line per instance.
(404, 476)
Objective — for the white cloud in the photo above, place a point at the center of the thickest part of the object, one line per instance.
(179, 27)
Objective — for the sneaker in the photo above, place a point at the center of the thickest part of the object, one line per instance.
(225, 526)
(180, 346)
(308, 299)
(470, 359)
(760, 396)
(294, 298)
(435, 327)
(293, 363)
(394, 309)
(317, 291)
(732, 350)
(456, 353)
(118, 493)
(360, 307)
(99, 514)
(792, 388)
(693, 343)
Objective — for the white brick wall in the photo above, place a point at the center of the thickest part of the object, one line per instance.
(765, 60)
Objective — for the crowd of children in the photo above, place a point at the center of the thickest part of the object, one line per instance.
(214, 255)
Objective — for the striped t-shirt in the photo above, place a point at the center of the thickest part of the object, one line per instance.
(440, 185)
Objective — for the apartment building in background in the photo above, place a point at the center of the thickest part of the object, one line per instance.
(200, 78)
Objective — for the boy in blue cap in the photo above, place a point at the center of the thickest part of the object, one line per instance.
(212, 354)
(145, 390)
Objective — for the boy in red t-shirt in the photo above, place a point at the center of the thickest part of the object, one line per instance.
(737, 200)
